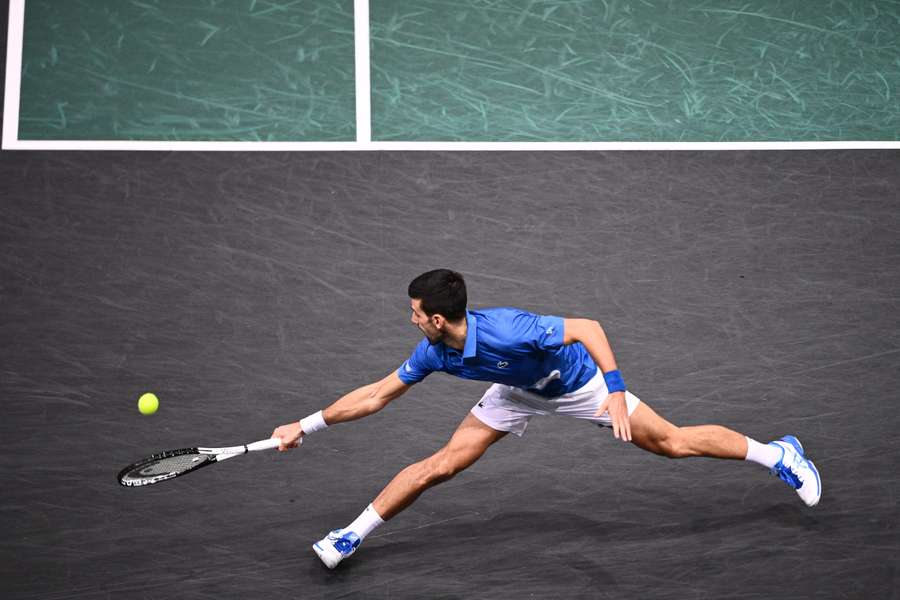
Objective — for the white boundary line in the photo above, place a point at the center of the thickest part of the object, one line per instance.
(362, 71)
(437, 146)
(363, 119)
(13, 72)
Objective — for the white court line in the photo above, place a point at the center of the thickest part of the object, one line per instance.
(125, 145)
(363, 119)
(13, 72)
(362, 72)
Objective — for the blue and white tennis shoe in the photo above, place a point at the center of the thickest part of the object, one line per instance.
(798, 471)
(336, 546)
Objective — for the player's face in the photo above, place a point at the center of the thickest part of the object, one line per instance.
(423, 322)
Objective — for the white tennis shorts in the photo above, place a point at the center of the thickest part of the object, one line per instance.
(508, 408)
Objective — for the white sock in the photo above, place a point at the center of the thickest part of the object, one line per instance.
(763, 454)
(366, 522)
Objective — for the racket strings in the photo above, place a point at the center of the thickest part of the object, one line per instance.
(171, 464)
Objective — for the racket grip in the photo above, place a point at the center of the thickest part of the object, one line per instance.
(268, 444)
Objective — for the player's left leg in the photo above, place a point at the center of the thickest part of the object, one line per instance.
(785, 457)
(651, 432)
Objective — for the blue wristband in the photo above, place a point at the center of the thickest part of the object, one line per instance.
(614, 382)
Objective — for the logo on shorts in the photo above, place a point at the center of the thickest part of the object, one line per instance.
(481, 404)
(549, 331)
(502, 364)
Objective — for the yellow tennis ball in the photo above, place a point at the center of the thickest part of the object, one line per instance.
(148, 403)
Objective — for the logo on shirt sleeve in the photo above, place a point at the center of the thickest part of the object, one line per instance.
(406, 367)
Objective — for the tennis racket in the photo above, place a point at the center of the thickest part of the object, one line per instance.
(173, 463)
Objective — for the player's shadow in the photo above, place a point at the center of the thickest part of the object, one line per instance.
(547, 546)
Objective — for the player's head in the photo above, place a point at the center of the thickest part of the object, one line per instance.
(436, 298)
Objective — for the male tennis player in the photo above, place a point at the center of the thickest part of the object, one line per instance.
(540, 365)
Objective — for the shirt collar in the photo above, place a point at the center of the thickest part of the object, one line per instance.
(471, 336)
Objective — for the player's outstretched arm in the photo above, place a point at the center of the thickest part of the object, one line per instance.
(357, 404)
(366, 400)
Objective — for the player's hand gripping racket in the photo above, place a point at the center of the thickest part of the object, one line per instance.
(172, 463)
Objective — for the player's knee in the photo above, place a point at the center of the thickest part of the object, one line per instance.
(438, 468)
(675, 445)
(446, 468)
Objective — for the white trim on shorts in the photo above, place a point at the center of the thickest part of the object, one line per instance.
(508, 408)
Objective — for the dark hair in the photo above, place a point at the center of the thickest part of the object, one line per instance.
(441, 291)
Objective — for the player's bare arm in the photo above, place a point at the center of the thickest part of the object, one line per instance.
(593, 338)
(359, 403)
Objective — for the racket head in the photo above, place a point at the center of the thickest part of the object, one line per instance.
(164, 466)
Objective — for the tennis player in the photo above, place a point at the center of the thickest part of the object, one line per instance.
(540, 365)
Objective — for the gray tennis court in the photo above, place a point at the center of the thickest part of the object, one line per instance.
(755, 290)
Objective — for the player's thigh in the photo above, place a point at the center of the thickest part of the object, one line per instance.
(649, 430)
(470, 440)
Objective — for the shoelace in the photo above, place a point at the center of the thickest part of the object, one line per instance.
(346, 543)
(790, 473)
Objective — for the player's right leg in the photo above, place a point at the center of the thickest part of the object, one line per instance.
(470, 440)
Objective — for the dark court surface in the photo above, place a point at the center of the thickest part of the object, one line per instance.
(754, 290)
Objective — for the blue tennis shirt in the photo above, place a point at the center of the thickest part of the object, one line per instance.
(508, 346)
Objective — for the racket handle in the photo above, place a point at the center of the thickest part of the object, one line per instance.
(268, 444)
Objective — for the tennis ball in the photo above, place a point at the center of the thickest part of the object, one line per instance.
(148, 403)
